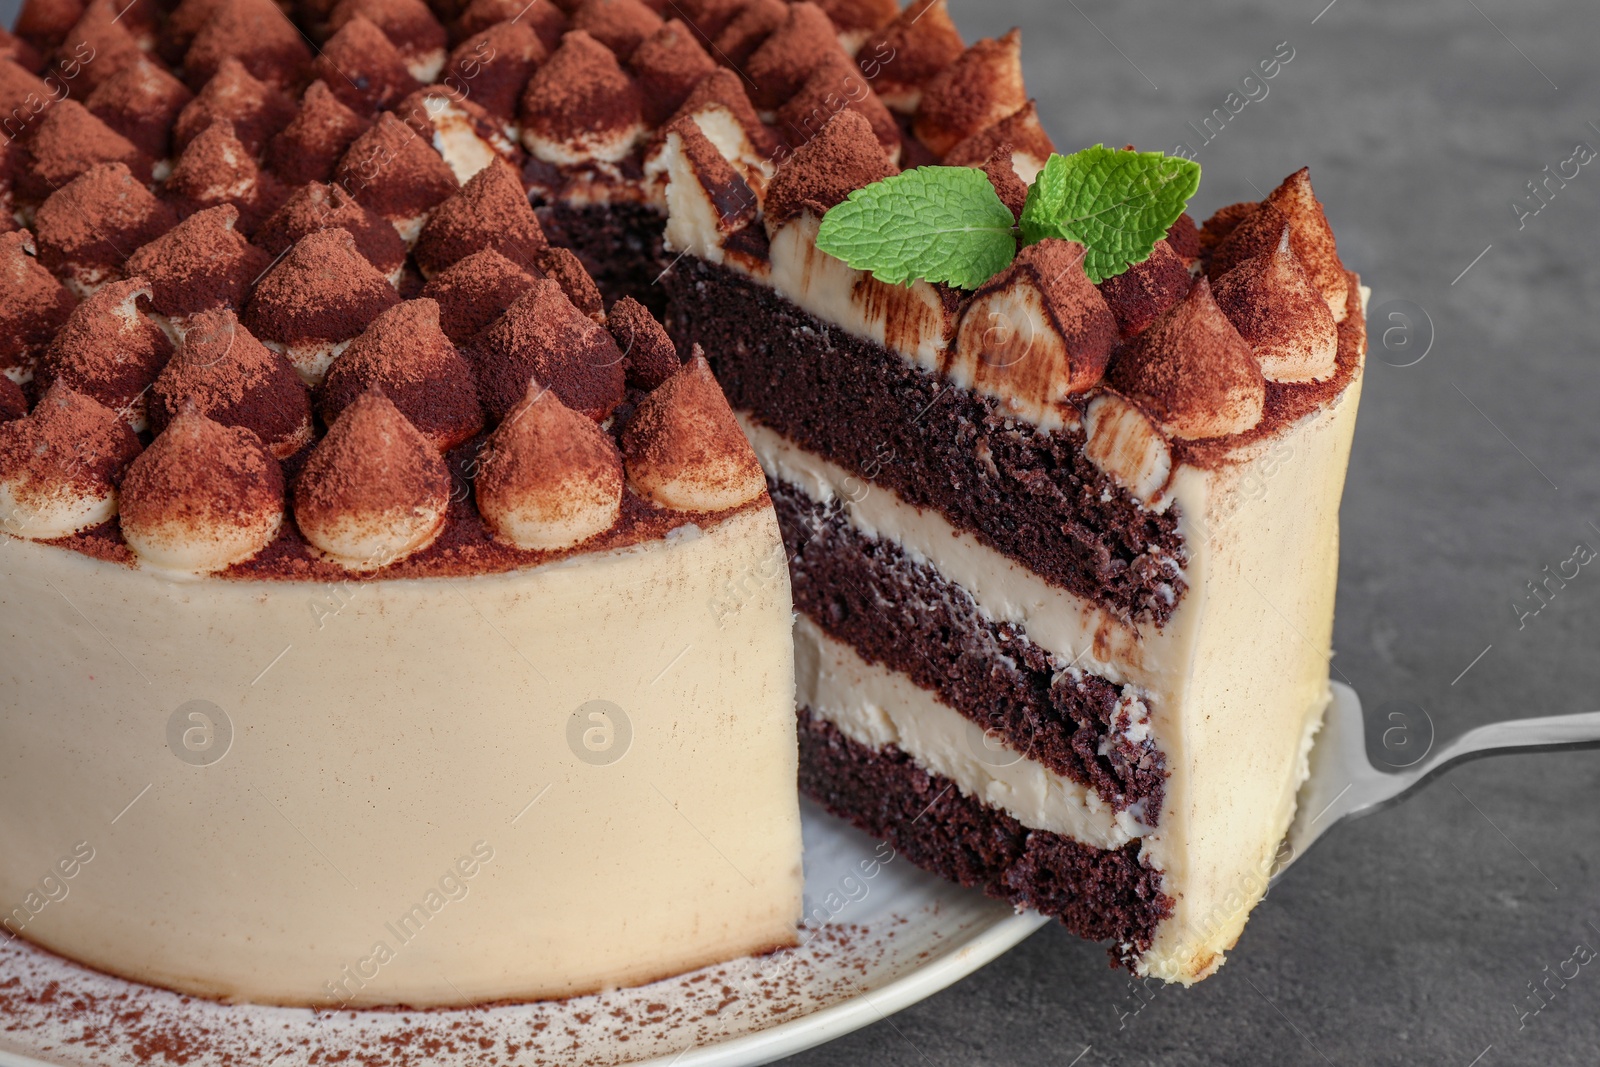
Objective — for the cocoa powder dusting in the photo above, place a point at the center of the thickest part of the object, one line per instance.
(201, 475)
(108, 349)
(202, 262)
(255, 32)
(844, 157)
(363, 68)
(497, 62)
(372, 462)
(99, 219)
(785, 60)
(69, 441)
(314, 207)
(116, 1021)
(67, 141)
(1022, 131)
(758, 20)
(394, 172)
(323, 290)
(224, 373)
(979, 89)
(406, 355)
(620, 25)
(668, 65)
(651, 356)
(911, 50)
(543, 338)
(257, 110)
(141, 102)
(215, 169)
(13, 402)
(568, 270)
(490, 211)
(33, 305)
(476, 291)
(316, 138)
(581, 94)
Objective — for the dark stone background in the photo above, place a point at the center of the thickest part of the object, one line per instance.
(1409, 937)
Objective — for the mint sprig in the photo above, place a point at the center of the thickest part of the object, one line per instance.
(1117, 204)
(947, 224)
(944, 224)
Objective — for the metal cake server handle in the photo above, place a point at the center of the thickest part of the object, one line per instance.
(1344, 783)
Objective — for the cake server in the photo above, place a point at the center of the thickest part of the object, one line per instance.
(1344, 783)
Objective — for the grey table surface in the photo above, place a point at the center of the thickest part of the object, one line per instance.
(1417, 935)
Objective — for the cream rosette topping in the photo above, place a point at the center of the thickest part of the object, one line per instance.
(110, 350)
(33, 306)
(464, 134)
(1141, 293)
(1037, 333)
(311, 145)
(581, 106)
(141, 102)
(65, 142)
(780, 66)
(217, 169)
(1193, 371)
(668, 65)
(859, 19)
(316, 206)
(490, 211)
(86, 229)
(363, 68)
(317, 300)
(904, 56)
(199, 264)
(406, 355)
(685, 451)
(551, 478)
(544, 337)
(1274, 305)
(255, 109)
(408, 24)
(1030, 146)
(651, 357)
(969, 96)
(394, 171)
(497, 62)
(620, 25)
(202, 497)
(1257, 229)
(374, 490)
(222, 372)
(59, 466)
(474, 291)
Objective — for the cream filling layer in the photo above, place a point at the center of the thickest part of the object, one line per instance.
(1062, 623)
(875, 706)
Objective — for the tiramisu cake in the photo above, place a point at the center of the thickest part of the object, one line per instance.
(397, 614)
(358, 555)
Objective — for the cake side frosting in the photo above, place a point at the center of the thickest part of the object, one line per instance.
(398, 725)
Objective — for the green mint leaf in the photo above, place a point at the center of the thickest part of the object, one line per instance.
(942, 224)
(1117, 204)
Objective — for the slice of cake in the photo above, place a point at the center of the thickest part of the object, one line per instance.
(1063, 550)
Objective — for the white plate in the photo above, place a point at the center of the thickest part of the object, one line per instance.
(880, 935)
